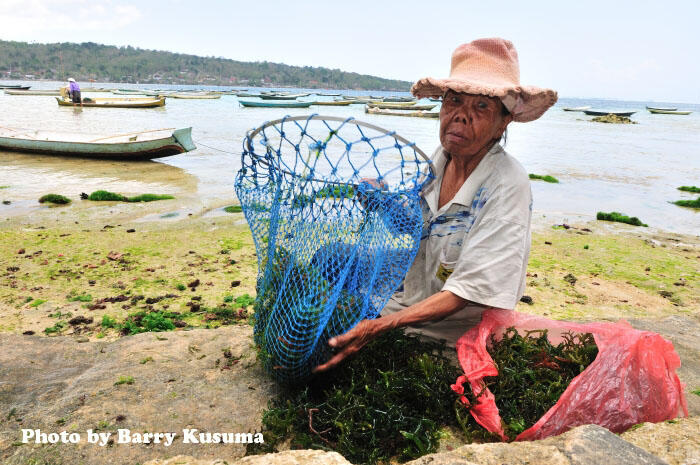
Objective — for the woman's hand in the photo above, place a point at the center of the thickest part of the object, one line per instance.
(352, 341)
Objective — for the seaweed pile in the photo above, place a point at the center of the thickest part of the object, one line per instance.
(619, 218)
(533, 374)
(389, 402)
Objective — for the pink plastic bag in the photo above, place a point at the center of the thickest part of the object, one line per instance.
(632, 380)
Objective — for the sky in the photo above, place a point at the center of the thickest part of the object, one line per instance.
(617, 49)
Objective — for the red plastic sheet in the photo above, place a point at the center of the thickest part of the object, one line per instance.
(632, 380)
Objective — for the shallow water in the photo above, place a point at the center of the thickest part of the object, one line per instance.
(634, 169)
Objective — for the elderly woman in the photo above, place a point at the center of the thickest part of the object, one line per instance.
(476, 212)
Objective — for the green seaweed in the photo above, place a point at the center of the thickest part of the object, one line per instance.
(337, 192)
(620, 218)
(233, 209)
(80, 298)
(389, 402)
(37, 302)
(142, 322)
(108, 322)
(696, 392)
(101, 195)
(55, 199)
(688, 203)
(124, 380)
(546, 178)
(57, 328)
(693, 189)
(532, 374)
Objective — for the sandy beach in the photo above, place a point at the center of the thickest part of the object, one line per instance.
(92, 260)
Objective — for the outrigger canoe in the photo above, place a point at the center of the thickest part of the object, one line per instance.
(194, 96)
(282, 97)
(402, 106)
(32, 92)
(669, 112)
(662, 108)
(608, 112)
(142, 145)
(283, 104)
(335, 103)
(14, 86)
(416, 114)
(114, 102)
(576, 108)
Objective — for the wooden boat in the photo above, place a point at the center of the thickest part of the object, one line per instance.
(325, 94)
(115, 102)
(416, 114)
(193, 95)
(281, 96)
(662, 108)
(335, 103)
(402, 106)
(14, 86)
(247, 94)
(255, 103)
(576, 108)
(141, 145)
(608, 112)
(363, 100)
(128, 92)
(669, 112)
(399, 99)
(33, 92)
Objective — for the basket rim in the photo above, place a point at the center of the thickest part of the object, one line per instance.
(255, 131)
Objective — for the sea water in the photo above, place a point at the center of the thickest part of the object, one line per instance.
(634, 169)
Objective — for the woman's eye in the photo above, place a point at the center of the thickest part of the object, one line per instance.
(482, 105)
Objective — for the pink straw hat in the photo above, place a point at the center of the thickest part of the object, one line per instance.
(490, 67)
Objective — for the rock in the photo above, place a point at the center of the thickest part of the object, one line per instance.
(677, 441)
(290, 457)
(50, 380)
(585, 445)
(611, 118)
(684, 333)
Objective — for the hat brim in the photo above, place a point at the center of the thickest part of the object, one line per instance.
(531, 101)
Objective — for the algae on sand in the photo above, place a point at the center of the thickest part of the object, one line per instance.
(545, 178)
(688, 203)
(620, 218)
(55, 199)
(102, 195)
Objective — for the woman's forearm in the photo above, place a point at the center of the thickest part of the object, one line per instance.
(434, 308)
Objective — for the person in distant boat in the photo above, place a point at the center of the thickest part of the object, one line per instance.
(74, 92)
(475, 240)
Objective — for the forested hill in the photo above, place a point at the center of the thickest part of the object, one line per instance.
(103, 63)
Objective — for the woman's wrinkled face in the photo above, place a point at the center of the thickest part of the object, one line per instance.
(468, 123)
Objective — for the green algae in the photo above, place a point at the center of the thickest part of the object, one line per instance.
(56, 199)
(390, 402)
(620, 218)
(233, 209)
(532, 374)
(106, 196)
(120, 381)
(693, 189)
(688, 203)
(545, 178)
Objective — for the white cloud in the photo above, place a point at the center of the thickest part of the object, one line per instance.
(30, 19)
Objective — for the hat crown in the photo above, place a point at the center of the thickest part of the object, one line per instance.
(492, 61)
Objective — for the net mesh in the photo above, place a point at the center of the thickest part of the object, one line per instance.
(334, 211)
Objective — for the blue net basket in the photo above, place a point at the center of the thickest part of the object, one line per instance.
(333, 206)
